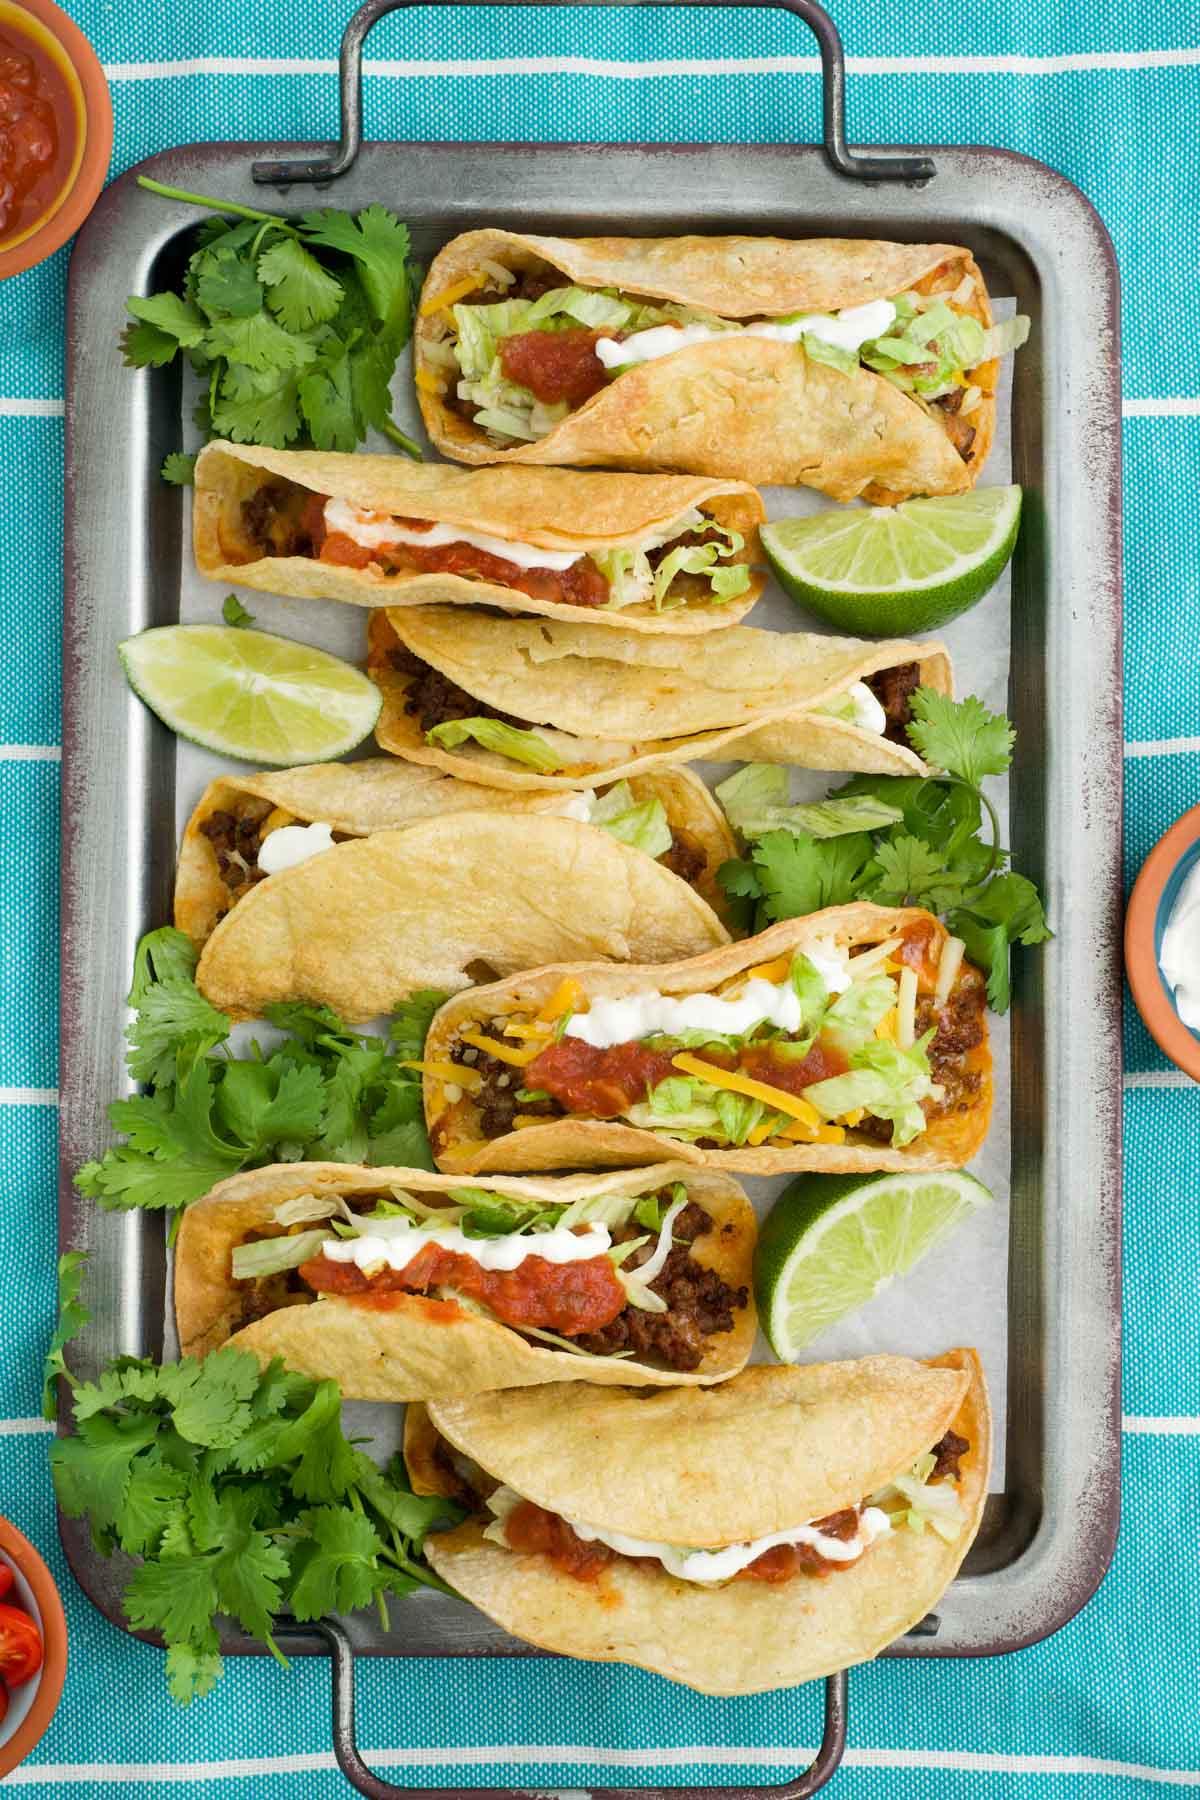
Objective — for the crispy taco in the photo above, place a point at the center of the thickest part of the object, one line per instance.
(406, 1286)
(853, 1039)
(849, 366)
(362, 925)
(668, 813)
(789, 1523)
(650, 553)
(530, 703)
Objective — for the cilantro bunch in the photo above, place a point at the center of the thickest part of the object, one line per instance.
(237, 1491)
(294, 327)
(323, 1093)
(897, 840)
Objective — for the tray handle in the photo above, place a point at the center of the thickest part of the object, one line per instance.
(331, 1637)
(833, 92)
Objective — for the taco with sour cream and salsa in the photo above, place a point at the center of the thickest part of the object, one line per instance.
(648, 553)
(784, 1525)
(401, 1285)
(855, 367)
(851, 1040)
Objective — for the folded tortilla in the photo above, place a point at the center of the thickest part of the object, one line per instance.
(634, 703)
(383, 794)
(455, 1124)
(414, 1347)
(374, 919)
(771, 1449)
(554, 509)
(740, 406)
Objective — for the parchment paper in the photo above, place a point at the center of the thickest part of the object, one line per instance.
(957, 1294)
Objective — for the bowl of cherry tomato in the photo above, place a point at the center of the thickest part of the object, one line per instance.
(55, 131)
(33, 1647)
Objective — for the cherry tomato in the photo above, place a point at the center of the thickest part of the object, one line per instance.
(20, 1645)
(6, 1579)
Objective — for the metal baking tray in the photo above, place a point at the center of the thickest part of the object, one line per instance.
(1049, 1535)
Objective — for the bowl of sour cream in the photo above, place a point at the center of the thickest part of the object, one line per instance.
(1162, 943)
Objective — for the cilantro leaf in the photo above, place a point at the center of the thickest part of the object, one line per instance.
(379, 244)
(175, 318)
(224, 282)
(912, 874)
(258, 343)
(211, 1399)
(191, 1673)
(960, 736)
(302, 293)
(327, 401)
(124, 1178)
(337, 1570)
(172, 1016)
(258, 409)
(145, 346)
(234, 613)
(178, 469)
(800, 874)
(73, 1315)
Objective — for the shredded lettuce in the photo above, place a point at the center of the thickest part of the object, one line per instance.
(632, 581)
(883, 1080)
(726, 580)
(303, 1209)
(756, 801)
(930, 344)
(998, 340)
(504, 740)
(738, 1114)
(272, 1256)
(811, 992)
(820, 350)
(936, 1505)
(643, 824)
(857, 1011)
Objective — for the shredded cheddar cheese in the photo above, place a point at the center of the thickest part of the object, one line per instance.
(505, 1052)
(783, 1102)
(449, 296)
(430, 383)
(565, 998)
(460, 1074)
(778, 970)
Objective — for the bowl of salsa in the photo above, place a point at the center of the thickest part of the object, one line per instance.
(55, 131)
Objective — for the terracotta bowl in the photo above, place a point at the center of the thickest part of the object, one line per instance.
(1154, 894)
(80, 69)
(31, 1706)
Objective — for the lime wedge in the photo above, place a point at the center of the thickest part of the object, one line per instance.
(832, 1242)
(896, 571)
(249, 695)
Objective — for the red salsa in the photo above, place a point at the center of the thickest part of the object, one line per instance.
(555, 365)
(570, 1298)
(602, 1084)
(39, 132)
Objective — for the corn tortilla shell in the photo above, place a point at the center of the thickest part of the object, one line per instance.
(745, 1637)
(807, 1441)
(556, 509)
(740, 693)
(382, 793)
(418, 1349)
(454, 1127)
(744, 407)
(361, 926)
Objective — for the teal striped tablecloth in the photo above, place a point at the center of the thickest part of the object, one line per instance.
(1110, 96)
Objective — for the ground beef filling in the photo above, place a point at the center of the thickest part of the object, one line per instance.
(686, 858)
(948, 1453)
(960, 1030)
(894, 689)
(497, 1098)
(433, 699)
(960, 431)
(237, 839)
(699, 1303)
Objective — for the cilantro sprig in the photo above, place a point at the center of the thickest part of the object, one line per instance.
(295, 326)
(324, 1092)
(931, 850)
(237, 1491)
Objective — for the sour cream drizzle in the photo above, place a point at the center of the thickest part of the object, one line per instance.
(849, 329)
(868, 714)
(393, 1244)
(373, 529)
(293, 844)
(760, 1002)
(1179, 956)
(720, 1565)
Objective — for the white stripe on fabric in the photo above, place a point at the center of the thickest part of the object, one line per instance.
(1171, 406)
(1179, 746)
(23, 1427)
(1143, 1425)
(1084, 62)
(539, 1755)
(1158, 1078)
(31, 409)
(30, 753)
(28, 1096)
